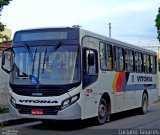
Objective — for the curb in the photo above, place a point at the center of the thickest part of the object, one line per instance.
(14, 121)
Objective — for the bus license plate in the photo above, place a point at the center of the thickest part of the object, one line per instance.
(37, 112)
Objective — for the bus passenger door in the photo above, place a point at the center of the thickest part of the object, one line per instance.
(90, 75)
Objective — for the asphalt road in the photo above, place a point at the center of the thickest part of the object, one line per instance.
(130, 122)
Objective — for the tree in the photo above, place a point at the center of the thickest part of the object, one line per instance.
(4, 37)
(2, 26)
(2, 4)
(158, 24)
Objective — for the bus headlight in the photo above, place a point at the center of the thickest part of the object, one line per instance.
(13, 101)
(67, 102)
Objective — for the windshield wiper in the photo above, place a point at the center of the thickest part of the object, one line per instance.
(53, 50)
(29, 52)
(46, 57)
(32, 57)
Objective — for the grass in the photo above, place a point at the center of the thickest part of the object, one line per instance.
(4, 109)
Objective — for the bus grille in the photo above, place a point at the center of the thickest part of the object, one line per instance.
(39, 92)
(48, 110)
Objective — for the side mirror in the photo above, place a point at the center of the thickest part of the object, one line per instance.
(91, 59)
(4, 57)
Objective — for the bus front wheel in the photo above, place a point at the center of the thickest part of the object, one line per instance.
(144, 104)
(102, 112)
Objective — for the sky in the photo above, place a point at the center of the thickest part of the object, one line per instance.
(130, 19)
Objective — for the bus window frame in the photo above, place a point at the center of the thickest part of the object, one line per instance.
(129, 51)
(105, 44)
(115, 62)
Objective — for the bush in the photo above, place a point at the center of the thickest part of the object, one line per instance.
(4, 110)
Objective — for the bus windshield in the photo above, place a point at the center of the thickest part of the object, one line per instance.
(52, 65)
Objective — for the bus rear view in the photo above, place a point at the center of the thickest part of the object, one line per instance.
(45, 66)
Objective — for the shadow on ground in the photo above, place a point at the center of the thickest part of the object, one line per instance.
(80, 124)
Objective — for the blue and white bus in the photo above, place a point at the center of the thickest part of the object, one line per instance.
(71, 73)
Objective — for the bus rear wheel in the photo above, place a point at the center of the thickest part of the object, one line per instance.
(144, 104)
(102, 112)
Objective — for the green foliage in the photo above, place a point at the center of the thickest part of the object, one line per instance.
(158, 24)
(4, 3)
(2, 26)
(4, 37)
(4, 110)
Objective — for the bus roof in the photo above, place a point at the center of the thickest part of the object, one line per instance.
(95, 35)
(114, 41)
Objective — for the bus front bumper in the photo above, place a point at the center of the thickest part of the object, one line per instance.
(69, 113)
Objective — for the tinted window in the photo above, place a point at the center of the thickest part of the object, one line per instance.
(129, 60)
(146, 63)
(106, 57)
(152, 64)
(119, 58)
(138, 62)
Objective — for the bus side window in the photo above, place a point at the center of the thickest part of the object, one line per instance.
(152, 64)
(130, 60)
(126, 60)
(141, 62)
(138, 62)
(119, 59)
(102, 53)
(109, 57)
(91, 65)
(146, 63)
(106, 57)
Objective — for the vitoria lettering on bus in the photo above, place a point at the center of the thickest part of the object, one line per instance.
(144, 78)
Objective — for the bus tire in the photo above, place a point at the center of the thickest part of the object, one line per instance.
(102, 112)
(144, 107)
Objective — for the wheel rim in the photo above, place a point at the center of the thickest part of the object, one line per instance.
(102, 111)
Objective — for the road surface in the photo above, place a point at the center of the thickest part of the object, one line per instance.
(130, 122)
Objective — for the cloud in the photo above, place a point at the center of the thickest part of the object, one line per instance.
(130, 19)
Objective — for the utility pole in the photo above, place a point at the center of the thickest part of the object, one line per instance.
(109, 30)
